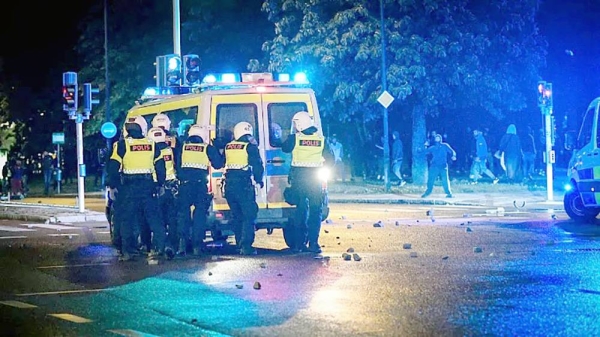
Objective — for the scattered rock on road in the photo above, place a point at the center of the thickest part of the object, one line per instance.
(407, 246)
(257, 285)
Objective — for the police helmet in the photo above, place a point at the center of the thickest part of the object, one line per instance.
(197, 130)
(157, 135)
(138, 120)
(302, 121)
(161, 121)
(241, 129)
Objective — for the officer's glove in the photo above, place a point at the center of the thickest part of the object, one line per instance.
(261, 184)
(112, 193)
(159, 192)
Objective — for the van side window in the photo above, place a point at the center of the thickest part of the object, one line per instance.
(228, 115)
(585, 134)
(280, 120)
(182, 119)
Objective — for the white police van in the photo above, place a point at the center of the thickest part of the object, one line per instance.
(582, 196)
(222, 101)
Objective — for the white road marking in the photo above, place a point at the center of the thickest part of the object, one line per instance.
(17, 304)
(104, 232)
(62, 292)
(15, 229)
(63, 234)
(131, 333)
(13, 237)
(71, 318)
(48, 226)
(76, 265)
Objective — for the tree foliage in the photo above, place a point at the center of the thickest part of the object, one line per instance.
(460, 57)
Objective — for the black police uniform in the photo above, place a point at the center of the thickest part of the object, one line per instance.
(193, 161)
(242, 160)
(136, 201)
(307, 191)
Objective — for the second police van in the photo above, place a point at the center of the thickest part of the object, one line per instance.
(222, 101)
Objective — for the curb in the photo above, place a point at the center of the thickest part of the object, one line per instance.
(402, 202)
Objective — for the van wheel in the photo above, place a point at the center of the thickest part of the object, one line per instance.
(576, 210)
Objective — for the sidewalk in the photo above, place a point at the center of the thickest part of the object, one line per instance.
(54, 209)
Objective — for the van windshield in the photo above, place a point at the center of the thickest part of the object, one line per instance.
(280, 120)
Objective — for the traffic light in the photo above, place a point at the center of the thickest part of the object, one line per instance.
(69, 91)
(544, 94)
(89, 97)
(191, 69)
(540, 93)
(168, 70)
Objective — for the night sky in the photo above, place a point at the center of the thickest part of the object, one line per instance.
(39, 36)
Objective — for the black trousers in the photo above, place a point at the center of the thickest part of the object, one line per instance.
(193, 193)
(241, 198)
(168, 213)
(307, 219)
(135, 206)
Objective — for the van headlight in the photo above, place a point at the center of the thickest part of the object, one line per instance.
(323, 173)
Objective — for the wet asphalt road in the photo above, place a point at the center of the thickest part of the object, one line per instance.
(527, 273)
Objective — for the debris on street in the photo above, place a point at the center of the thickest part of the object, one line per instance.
(347, 257)
(257, 285)
(239, 286)
(477, 250)
(356, 257)
(407, 246)
(350, 250)
(413, 254)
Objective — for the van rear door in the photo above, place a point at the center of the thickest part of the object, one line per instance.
(225, 112)
(278, 110)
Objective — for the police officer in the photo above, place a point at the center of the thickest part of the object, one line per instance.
(162, 121)
(196, 157)
(133, 162)
(167, 206)
(243, 161)
(306, 147)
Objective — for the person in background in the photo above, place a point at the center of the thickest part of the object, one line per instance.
(438, 166)
(397, 157)
(510, 146)
(16, 179)
(5, 175)
(529, 154)
(47, 170)
(479, 165)
(337, 152)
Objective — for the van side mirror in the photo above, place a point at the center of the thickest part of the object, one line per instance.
(570, 140)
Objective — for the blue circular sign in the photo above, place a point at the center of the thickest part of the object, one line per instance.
(108, 130)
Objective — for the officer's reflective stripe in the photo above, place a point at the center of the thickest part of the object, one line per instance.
(308, 151)
(139, 171)
(195, 165)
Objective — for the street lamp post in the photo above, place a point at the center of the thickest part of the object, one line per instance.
(386, 144)
(176, 28)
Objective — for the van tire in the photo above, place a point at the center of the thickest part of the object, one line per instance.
(289, 234)
(217, 235)
(576, 210)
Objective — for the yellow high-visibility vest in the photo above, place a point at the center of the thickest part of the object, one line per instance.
(308, 151)
(236, 156)
(139, 156)
(193, 155)
(167, 155)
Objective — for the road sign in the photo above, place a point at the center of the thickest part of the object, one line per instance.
(108, 130)
(58, 138)
(385, 99)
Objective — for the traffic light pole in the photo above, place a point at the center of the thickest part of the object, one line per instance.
(80, 165)
(549, 153)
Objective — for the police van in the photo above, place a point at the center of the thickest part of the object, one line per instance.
(582, 192)
(219, 103)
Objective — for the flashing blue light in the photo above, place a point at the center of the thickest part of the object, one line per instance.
(173, 63)
(150, 91)
(283, 77)
(228, 78)
(300, 78)
(568, 187)
(209, 79)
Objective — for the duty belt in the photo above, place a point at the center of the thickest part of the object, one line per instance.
(127, 178)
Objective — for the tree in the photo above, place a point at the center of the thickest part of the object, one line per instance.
(461, 57)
